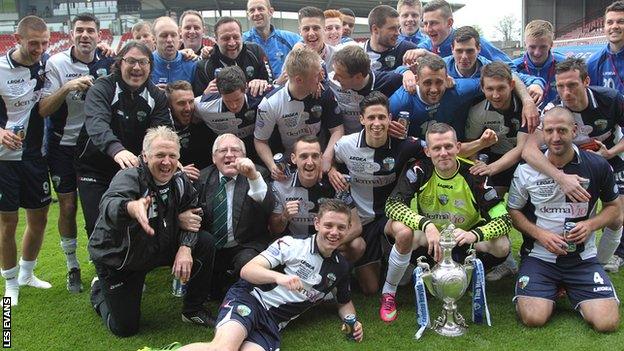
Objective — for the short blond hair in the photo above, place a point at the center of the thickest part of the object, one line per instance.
(160, 132)
(301, 60)
(538, 29)
(411, 3)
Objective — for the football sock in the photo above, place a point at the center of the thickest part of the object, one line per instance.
(69, 248)
(608, 244)
(397, 263)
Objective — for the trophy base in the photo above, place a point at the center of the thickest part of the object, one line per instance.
(452, 330)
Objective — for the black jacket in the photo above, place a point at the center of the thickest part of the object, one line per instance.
(118, 241)
(249, 218)
(252, 60)
(116, 119)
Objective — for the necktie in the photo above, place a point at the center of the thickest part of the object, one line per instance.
(219, 214)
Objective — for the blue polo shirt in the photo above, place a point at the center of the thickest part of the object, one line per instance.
(546, 71)
(482, 61)
(416, 38)
(607, 69)
(488, 50)
(277, 46)
(169, 71)
(452, 108)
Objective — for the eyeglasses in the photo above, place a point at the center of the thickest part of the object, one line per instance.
(132, 61)
(233, 150)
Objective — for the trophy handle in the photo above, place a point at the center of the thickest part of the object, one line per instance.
(469, 264)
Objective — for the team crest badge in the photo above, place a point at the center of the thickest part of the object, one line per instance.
(601, 124)
(390, 60)
(316, 111)
(250, 71)
(101, 72)
(250, 115)
(443, 199)
(331, 278)
(523, 281)
(388, 163)
(515, 123)
(243, 310)
(141, 115)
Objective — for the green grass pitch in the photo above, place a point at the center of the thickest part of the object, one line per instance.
(56, 320)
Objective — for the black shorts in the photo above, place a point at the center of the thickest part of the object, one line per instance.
(240, 306)
(24, 184)
(61, 165)
(585, 281)
(372, 234)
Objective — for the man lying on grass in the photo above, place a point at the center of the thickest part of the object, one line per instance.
(259, 305)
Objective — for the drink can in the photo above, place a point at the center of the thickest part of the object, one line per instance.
(282, 163)
(19, 131)
(404, 120)
(178, 287)
(485, 158)
(349, 326)
(567, 227)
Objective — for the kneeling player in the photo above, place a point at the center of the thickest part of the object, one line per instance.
(540, 210)
(257, 307)
(435, 191)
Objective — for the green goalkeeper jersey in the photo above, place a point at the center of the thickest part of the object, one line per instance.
(422, 196)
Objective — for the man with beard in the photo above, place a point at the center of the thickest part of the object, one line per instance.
(438, 24)
(70, 74)
(231, 51)
(169, 64)
(352, 79)
(193, 133)
(385, 51)
(348, 24)
(551, 257)
(24, 181)
(276, 43)
(598, 113)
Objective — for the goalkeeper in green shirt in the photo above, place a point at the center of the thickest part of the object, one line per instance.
(432, 193)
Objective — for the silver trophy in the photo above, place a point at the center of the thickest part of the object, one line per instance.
(448, 281)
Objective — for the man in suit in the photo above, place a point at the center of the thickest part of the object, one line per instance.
(236, 206)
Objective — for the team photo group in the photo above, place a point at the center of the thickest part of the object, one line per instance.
(275, 171)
